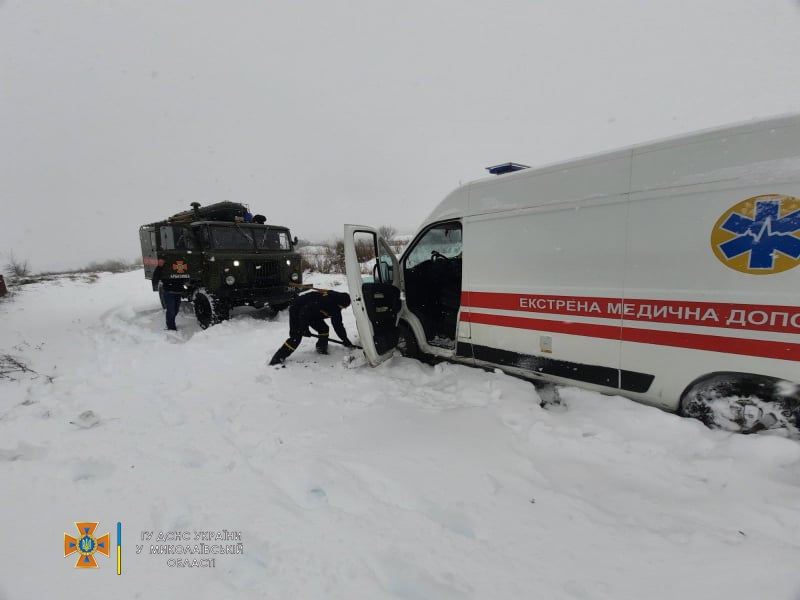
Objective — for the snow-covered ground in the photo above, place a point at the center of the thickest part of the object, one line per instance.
(406, 481)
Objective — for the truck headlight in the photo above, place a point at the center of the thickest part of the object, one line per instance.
(230, 280)
(236, 263)
(295, 276)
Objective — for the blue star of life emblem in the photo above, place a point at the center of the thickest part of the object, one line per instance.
(763, 235)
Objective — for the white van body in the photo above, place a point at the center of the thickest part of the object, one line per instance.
(641, 272)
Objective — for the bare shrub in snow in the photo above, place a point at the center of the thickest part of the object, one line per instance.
(10, 366)
(334, 258)
(17, 267)
(112, 266)
(387, 232)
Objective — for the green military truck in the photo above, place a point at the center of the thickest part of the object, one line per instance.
(218, 257)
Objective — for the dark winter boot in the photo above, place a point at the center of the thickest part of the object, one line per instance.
(322, 345)
(281, 354)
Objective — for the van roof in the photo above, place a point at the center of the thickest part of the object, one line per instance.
(455, 204)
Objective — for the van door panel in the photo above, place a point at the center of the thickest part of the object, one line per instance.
(373, 277)
(382, 303)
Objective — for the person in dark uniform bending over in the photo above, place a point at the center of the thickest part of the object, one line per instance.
(311, 310)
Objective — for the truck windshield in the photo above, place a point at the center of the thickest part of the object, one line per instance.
(272, 239)
(230, 238)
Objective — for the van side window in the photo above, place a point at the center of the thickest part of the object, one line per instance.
(365, 243)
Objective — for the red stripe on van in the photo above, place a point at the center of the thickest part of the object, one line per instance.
(752, 317)
(599, 331)
(694, 341)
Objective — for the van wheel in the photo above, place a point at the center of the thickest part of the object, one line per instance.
(208, 310)
(743, 403)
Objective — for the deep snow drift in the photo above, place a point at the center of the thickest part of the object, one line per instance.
(405, 481)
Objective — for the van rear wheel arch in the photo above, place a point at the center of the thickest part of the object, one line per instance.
(742, 402)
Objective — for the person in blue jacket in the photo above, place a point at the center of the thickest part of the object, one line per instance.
(311, 310)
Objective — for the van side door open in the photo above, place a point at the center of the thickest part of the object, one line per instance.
(373, 276)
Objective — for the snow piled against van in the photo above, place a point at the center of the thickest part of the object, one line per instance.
(405, 481)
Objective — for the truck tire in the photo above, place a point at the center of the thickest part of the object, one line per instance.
(208, 310)
(742, 403)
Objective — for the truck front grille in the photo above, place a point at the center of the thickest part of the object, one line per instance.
(264, 273)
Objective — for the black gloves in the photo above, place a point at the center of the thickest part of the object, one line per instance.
(347, 343)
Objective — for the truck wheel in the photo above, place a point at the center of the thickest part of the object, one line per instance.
(208, 310)
(743, 403)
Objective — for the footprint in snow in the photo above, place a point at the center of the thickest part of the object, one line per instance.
(23, 451)
(89, 470)
(316, 497)
(86, 420)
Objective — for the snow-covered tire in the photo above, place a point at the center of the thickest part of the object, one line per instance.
(742, 403)
(207, 309)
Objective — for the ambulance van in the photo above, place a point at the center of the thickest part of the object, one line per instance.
(667, 272)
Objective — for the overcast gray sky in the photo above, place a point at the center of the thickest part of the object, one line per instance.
(114, 113)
